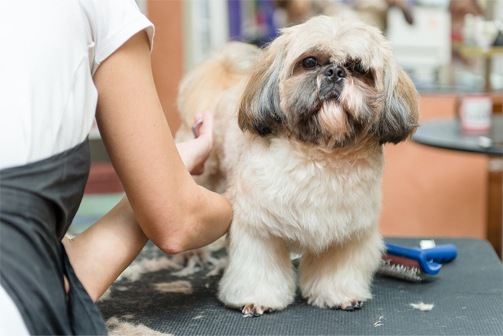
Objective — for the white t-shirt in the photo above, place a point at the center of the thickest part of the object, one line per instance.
(49, 51)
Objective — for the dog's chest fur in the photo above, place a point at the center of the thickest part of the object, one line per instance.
(310, 198)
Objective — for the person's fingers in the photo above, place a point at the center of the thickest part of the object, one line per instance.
(195, 152)
(207, 125)
(206, 128)
(202, 123)
(198, 119)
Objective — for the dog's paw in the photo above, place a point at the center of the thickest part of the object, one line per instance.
(253, 310)
(350, 306)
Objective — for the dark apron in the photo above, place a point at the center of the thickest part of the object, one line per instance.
(37, 204)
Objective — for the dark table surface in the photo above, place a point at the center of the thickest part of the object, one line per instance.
(467, 294)
(446, 133)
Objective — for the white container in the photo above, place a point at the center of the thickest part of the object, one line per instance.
(475, 113)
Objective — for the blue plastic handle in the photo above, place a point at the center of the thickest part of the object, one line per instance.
(425, 258)
(440, 253)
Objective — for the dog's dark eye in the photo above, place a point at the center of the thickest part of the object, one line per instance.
(358, 67)
(309, 63)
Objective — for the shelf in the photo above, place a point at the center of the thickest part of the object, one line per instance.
(468, 51)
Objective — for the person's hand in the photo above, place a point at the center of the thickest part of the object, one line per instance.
(194, 153)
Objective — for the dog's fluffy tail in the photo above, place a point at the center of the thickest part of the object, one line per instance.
(200, 88)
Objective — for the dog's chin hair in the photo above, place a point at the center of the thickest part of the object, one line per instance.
(334, 122)
(349, 117)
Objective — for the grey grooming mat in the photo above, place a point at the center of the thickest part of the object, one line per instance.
(467, 295)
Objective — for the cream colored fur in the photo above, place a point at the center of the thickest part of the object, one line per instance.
(318, 198)
(200, 90)
(287, 195)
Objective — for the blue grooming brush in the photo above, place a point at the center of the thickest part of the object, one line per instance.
(426, 258)
(413, 263)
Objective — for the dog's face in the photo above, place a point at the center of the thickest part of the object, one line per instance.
(330, 82)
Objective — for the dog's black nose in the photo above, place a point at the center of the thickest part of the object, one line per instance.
(335, 73)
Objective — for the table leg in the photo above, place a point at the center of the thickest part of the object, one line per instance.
(495, 204)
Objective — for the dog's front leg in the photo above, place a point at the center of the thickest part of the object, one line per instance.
(259, 277)
(340, 277)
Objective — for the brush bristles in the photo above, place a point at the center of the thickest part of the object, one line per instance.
(397, 271)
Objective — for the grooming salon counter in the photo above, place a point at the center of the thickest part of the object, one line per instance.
(467, 299)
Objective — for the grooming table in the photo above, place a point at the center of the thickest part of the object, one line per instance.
(467, 294)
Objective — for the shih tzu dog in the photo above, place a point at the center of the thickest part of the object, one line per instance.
(298, 144)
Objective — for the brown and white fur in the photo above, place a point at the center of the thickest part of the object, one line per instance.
(301, 151)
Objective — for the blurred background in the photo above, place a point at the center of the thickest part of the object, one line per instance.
(450, 48)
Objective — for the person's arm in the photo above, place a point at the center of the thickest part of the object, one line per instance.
(103, 251)
(172, 210)
(166, 204)
(117, 235)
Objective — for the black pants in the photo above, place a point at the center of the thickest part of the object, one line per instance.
(37, 204)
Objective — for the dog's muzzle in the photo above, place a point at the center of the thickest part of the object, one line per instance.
(331, 83)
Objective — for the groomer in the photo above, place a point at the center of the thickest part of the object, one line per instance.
(63, 63)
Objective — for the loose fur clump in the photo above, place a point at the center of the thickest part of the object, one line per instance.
(185, 264)
(298, 143)
(196, 260)
(422, 306)
(117, 327)
(137, 269)
(181, 286)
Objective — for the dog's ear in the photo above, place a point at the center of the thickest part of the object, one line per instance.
(399, 117)
(259, 111)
